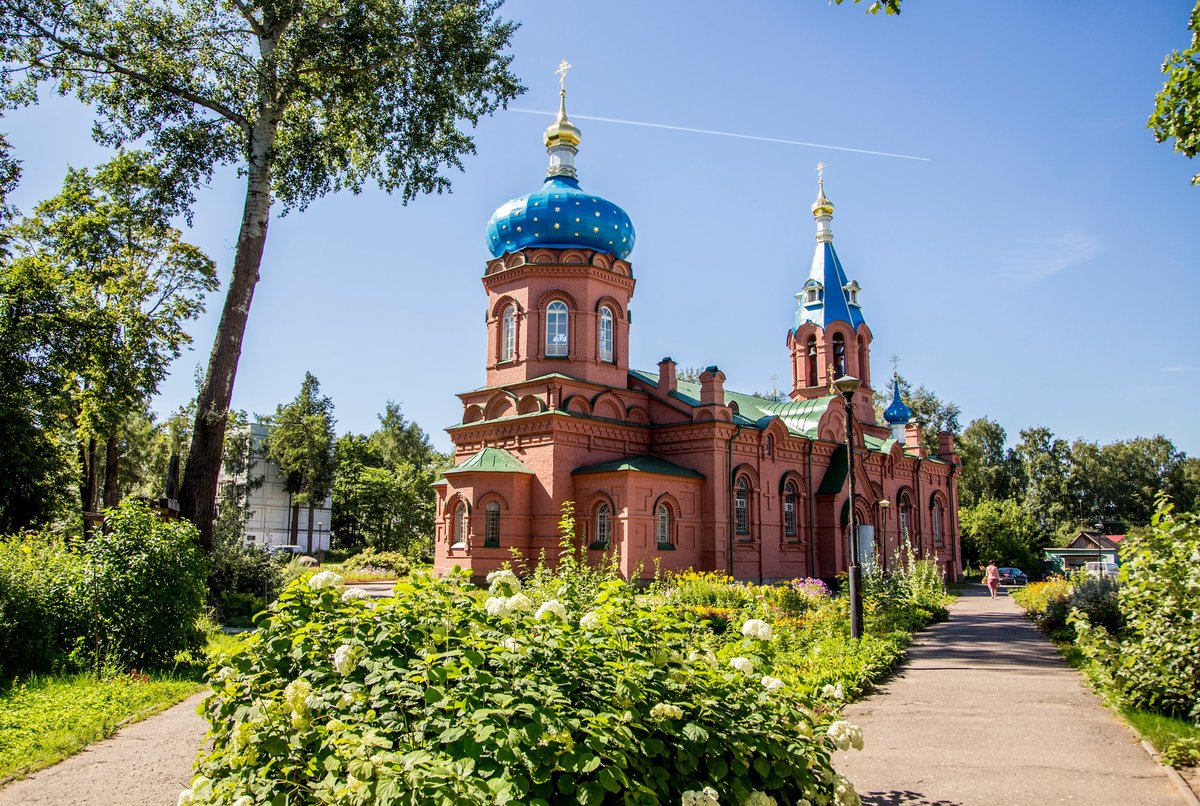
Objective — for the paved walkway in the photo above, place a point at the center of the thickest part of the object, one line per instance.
(144, 764)
(986, 712)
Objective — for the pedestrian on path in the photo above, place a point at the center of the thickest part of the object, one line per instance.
(992, 577)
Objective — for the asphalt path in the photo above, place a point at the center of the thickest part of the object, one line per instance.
(985, 711)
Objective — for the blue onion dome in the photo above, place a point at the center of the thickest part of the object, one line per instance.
(897, 413)
(560, 215)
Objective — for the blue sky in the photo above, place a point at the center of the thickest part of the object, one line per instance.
(1039, 266)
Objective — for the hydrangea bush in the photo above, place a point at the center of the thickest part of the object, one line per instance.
(531, 693)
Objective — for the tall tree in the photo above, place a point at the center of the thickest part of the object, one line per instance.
(119, 284)
(305, 98)
(301, 440)
(990, 469)
(1044, 461)
(1177, 105)
(96, 290)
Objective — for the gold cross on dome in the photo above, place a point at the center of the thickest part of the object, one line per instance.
(563, 67)
(820, 172)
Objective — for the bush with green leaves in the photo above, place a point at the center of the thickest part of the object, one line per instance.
(537, 693)
(41, 614)
(235, 568)
(395, 562)
(144, 584)
(1154, 663)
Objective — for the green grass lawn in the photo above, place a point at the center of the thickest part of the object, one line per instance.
(1176, 739)
(44, 719)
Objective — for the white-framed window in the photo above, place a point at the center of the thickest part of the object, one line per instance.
(556, 329)
(460, 525)
(606, 334)
(905, 508)
(741, 506)
(662, 529)
(789, 509)
(508, 333)
(603, 525)
(491, 524)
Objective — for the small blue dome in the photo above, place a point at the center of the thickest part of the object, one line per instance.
(897, 413)
(560, 216)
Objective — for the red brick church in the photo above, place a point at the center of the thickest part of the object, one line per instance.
(687, 474)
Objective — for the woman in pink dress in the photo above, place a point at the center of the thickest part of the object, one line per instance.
(991, 578)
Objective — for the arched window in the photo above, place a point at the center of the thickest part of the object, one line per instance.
(556, 329)
(662, 528)
(460, 525)
(839, 355)
(491, 524)
(606, 334)
(904, 508)
(770, 447)
(603, 525)
(935, 521)
(789, 509)
(741, 506)
(863, 364)
(812, 360)
(508, 333)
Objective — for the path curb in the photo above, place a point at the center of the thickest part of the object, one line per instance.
(1185, 791)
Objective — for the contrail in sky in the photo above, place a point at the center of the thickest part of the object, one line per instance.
(722, 134)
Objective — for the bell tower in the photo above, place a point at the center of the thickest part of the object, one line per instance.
(830, 338)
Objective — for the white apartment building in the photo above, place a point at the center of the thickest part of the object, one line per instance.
(271, 505)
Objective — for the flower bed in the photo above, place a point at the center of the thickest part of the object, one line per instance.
(567, 686)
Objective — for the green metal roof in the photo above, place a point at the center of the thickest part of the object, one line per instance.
(640, 464)
(835, 476)
(490, 460)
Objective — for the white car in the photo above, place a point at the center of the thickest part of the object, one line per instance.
(1097, 569)
(292, 549)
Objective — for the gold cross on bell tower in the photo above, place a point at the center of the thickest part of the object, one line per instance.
(563, 67)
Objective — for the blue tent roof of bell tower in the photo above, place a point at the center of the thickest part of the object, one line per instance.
(834, 305)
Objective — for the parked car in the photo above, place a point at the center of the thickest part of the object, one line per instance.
(287, 552)
(1013, 576)
(1097, 569)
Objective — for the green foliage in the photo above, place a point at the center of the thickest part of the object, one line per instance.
(145, 578)
(382, 493)
(1177, 105)
(1047, 604)
(45, 719)
(437, 696)
(369, 559)
(908, 587)
(930, 411)
(300, 441)
(1155, 662)
(42, 613)
(1001, 531)
(990, 469)
(239, 609)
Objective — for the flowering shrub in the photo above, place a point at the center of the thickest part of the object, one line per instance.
(393, 562)
(1154, 662)
(443, 696)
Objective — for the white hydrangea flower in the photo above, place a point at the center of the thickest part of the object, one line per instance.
(590, 621)
(832, 692)
(345, 658)
(757, 628)
(185, 798)
(700, 797)
(759, 799)
(294, 695)
(845, 735)
(201, 788)
(351, 594)
(743, 665)
(844, 794)
(503, 578)
(551, 607)
(496, 606)
(772, 683)
(226, 672)
(666, 711)
(519, 602)
(325, 579)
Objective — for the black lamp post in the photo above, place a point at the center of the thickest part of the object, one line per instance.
(847, 385)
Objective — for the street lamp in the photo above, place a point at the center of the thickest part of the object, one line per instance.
(883, 508)
(846, 386)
